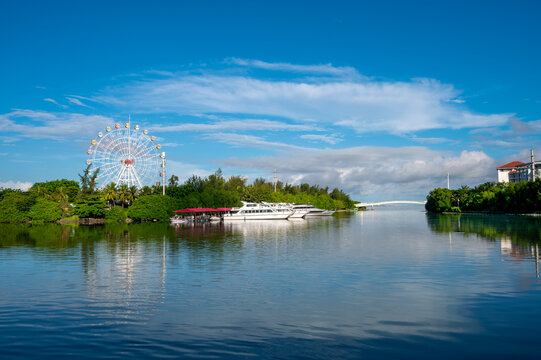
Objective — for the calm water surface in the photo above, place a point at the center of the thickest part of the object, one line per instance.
(393, 283)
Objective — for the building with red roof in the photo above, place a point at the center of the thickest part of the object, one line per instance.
(516, 171)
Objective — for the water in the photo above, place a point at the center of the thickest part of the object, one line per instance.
(384, 284)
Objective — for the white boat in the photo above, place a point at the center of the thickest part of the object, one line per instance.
(178, 220)
(254, 211)
(285, 207)
(312, 210)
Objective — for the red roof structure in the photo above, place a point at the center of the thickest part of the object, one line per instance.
(511, 165)
(198, 210)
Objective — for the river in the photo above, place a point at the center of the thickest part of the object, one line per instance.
(389, 283)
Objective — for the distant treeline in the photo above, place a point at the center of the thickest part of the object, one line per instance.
(521, 197)
(71, 200)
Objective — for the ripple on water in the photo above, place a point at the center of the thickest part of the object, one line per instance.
(387, 284)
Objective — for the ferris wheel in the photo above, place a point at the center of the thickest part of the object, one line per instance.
(126, 156)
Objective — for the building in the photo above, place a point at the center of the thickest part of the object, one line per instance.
(516, 171)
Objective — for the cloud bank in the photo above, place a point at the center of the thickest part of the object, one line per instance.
(17, 185)
(396, 173)
(342, 98)
(48, 125)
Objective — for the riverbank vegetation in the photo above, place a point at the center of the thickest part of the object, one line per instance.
(515, 198)
(67, 199)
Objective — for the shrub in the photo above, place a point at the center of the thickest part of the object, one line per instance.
(116, 213)
(14, 207)
(45, 210)
(92, 206)
(152, 207)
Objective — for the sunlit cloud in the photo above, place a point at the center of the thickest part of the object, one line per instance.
(55, 102)
(367, 171)
(329, 139)
(16, 185)
(233, 125)
(323, 69)
(48, 125)
(360, 104)
(242, 140)
(76, 101)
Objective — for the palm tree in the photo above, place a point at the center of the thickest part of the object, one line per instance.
(123, 194)
(110, 193)
(133, 192)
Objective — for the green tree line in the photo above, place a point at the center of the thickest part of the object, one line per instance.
(521, 197)
(67, 199)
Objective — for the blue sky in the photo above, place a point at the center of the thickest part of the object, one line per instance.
(380, 99)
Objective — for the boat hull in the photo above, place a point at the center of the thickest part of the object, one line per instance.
(321, 213)
(246, 217)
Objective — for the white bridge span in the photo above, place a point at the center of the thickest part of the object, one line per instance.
(390, 202)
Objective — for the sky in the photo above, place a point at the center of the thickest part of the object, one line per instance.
(381, 99)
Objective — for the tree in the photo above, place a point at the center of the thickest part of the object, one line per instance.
(123, 194)
(88, 182)
(92, 206)
(152, 207)
(15, 206)
(132, 194)
(110, 194)
(45, 210)
(173, 181)
(235, 183)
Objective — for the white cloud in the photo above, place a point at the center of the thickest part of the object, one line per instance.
(323, 69)
(47, 125)
(432, 140)
(55, 102)
(364, 105)
(242, 140)
(378, 173)
(184, 170)
(329, 139)
(76, 101)
(514, 134)
(233, 125)
(20, 185)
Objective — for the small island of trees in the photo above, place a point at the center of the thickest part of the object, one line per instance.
(514, 198)
(68, 200)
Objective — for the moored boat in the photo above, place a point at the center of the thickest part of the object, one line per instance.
(255, 211)
(311, 210)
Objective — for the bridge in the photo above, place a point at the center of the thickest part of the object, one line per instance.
(390, 202)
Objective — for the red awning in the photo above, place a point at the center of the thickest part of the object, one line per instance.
(197, 210)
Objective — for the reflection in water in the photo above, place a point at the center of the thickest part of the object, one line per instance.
(519, 236)
(377, 284)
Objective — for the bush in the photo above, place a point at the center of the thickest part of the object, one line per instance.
(45, 210)
(14, 207)
(91, 207)
(152, 207)
(116, 213)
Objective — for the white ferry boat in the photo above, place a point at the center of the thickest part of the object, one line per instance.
(312, 210)
(253, 211)
(285, 207)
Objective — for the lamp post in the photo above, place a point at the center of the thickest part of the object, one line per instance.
(162, 155)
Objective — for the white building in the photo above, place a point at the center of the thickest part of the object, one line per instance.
(516, 171)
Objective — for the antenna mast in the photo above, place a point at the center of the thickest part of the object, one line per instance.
(275, 180)
(533, 164)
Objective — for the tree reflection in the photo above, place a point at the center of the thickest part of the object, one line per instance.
(519, 235)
